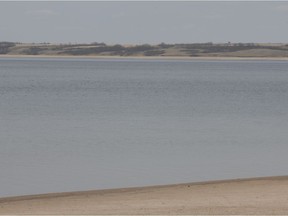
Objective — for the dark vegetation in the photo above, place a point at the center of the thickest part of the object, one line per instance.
(33, 51)
(4, 47)
(113, 50)
(202, 49)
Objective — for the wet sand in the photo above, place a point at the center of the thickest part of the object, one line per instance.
(266, 196)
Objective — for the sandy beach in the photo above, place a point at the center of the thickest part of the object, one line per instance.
(266, 196)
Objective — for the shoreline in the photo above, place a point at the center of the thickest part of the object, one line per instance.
(148, 57)
(109, 190)
(263, 195)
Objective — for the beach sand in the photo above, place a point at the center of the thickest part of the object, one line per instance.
(266, 196)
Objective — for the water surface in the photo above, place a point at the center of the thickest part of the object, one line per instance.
(80, 124)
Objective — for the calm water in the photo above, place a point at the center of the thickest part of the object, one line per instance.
(80, 124)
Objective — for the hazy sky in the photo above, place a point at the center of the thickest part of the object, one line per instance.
(144, 22)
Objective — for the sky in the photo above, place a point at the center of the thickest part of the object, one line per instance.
(139, 22)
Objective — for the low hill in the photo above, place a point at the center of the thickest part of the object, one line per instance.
(165, 50)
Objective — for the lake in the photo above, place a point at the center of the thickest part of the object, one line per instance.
(72, 124)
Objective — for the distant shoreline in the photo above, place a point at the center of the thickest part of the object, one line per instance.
(186, 51)
(147, 57)
(266, 195)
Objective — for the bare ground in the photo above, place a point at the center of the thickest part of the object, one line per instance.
(246, 196)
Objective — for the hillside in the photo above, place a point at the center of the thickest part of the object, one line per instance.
(165, 50)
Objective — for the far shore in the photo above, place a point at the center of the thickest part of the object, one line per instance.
(254, 196)
(148, 57)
